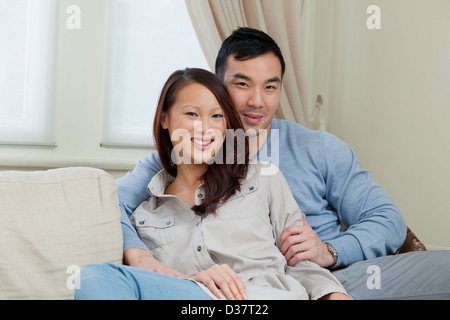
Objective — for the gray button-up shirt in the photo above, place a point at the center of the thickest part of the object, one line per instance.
(244, 234)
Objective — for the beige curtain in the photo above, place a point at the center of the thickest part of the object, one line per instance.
(286, 21)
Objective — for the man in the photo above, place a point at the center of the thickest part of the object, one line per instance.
(326, 180)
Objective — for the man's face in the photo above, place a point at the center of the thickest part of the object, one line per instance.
(255, 88)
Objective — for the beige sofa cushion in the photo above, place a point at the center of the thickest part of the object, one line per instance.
(53, 223)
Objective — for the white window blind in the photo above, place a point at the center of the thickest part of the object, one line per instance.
(149, 39)
(27, 34)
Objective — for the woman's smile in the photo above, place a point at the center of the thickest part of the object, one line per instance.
(202, 143)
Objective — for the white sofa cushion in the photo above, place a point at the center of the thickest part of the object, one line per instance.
(53, 223)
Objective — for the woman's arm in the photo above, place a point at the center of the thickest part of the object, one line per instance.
(284, 212)
(140, 258)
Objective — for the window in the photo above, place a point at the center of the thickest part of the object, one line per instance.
(149, 39)
(27, 32)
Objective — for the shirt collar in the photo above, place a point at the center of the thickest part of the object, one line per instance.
(162, 179)
(159, 183)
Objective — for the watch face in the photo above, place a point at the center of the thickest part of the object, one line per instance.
(331, 249)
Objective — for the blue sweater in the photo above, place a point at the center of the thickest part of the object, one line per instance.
(327, 182)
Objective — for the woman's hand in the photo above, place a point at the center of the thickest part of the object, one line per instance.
(143, 259)
(222, 278)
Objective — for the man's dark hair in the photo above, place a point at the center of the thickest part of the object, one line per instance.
(244, 44)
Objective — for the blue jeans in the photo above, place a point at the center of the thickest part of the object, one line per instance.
(108, 281)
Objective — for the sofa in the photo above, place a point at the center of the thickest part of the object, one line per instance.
(54, 222)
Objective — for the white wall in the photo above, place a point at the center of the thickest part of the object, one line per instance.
(388, 96)
(78, 100)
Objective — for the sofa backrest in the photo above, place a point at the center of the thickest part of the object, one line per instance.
(52, 224)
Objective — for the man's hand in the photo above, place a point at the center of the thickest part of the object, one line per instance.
(143, 259)
(300, 243)
(222, 278)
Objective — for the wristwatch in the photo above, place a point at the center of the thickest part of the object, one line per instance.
(333, 252)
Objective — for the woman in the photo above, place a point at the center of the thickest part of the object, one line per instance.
(212, 221)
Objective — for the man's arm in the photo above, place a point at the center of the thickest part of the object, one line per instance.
(375, 226)
(132, 191)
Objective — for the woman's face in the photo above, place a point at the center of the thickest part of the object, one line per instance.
(196, 125)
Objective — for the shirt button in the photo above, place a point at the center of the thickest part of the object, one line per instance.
(141, 222)
(200, 196)
(251, 188)
(199, 248)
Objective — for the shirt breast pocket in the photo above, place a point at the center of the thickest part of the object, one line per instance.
(155, 231)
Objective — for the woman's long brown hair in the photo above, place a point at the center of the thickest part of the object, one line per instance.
(223, 177)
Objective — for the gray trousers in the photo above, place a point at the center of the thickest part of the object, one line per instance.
(419, 275)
